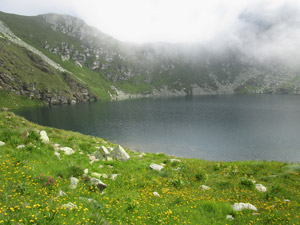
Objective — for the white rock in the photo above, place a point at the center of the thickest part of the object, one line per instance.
(100, 166)
(155, 166)
(109, 159)
(141, 155)
(113, 176)
(176, 169)
(242, 206)
(119, 153)
(229, 217)
(98, 183)
(57, 155)
(286, 200)
(103, 150)
(204, 187)
(86, 171)
(175, 160)
(110, 149)
(44, 137)
(74, 182)
(99, 175)
(56, 146)
(2, 143)
(70, 205)
(61, 193)
(20, 146)
(110, 166)
(260, 187)
(67, 150)
(156, 194)
(89, 200)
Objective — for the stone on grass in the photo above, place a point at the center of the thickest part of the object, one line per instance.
(57, 155)
(175, 160)
(97, 155)
(20, 146)
(156, 194)
(229, 217)
(86, 171)
(155, 166)
(119, 153)
(286, 200)
(98, 183)
(242, 206)
(109, 159)
(99, 175)
(44, 137)
(67, 150)
(56, 146)
(260, 188)
(204, 187)
(2, 143)
(141, 155)
(110, 166)
(113, 176)
(100, 166)
(69, 205)
(103, 150)
(61, 193)
(74, 182)
(88, 200)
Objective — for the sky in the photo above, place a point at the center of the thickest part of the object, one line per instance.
(172, 21)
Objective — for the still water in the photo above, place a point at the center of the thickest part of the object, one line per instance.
(224, 128)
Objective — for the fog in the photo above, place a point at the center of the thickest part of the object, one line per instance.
(263, 29)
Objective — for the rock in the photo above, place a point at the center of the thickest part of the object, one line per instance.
(109, 159)
(61, 193)
(176, 169)
(255, 214)
(2, 143)
(110, 149)
(287, 200)
(70, 205)
(4, 109)
(99, 184)
(204, 187)
(156, 194)
(57, 155)
(74, 182)
(229, 217)
(242, 206)
(86, 171)
(99, 175)
(119, 153)
(88, 200)
(141, 155)
(67, 150)
(260, 187)
(96, 155)
(103, 150)
(100, 166)
(44, 137)
(56, 146)
(113, 176)
(175, 160)
(110, 166)
(155, 166)
(20, 146)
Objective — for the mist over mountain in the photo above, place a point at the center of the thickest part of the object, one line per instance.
(258, 54)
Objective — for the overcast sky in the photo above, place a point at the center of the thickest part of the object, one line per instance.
(154, 20)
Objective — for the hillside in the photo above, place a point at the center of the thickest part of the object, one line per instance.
(38, 184)
(73, 62)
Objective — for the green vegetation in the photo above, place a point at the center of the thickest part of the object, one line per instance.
(15, 102)
(32, 177)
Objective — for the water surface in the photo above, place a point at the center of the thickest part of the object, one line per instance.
(260, 127)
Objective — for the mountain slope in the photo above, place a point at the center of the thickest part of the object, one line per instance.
(109, 69)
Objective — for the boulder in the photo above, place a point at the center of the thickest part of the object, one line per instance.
(229, 217)
(119, 154)
(156, 194)
(260, 188)
(204, 187)
(69, 205)
(20, 146)
(44, 137)
(74, 182)
(103, 150)
(155, 166)
(57, 155)
(2, 143)
(99, 184)
(242, 206)
(67, 150)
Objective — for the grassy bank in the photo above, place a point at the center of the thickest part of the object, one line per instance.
(32, 177)
(15, 102)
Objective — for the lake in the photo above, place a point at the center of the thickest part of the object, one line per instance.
(223, 128)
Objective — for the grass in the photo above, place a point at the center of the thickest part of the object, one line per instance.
(15, 102)
(32, 177)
